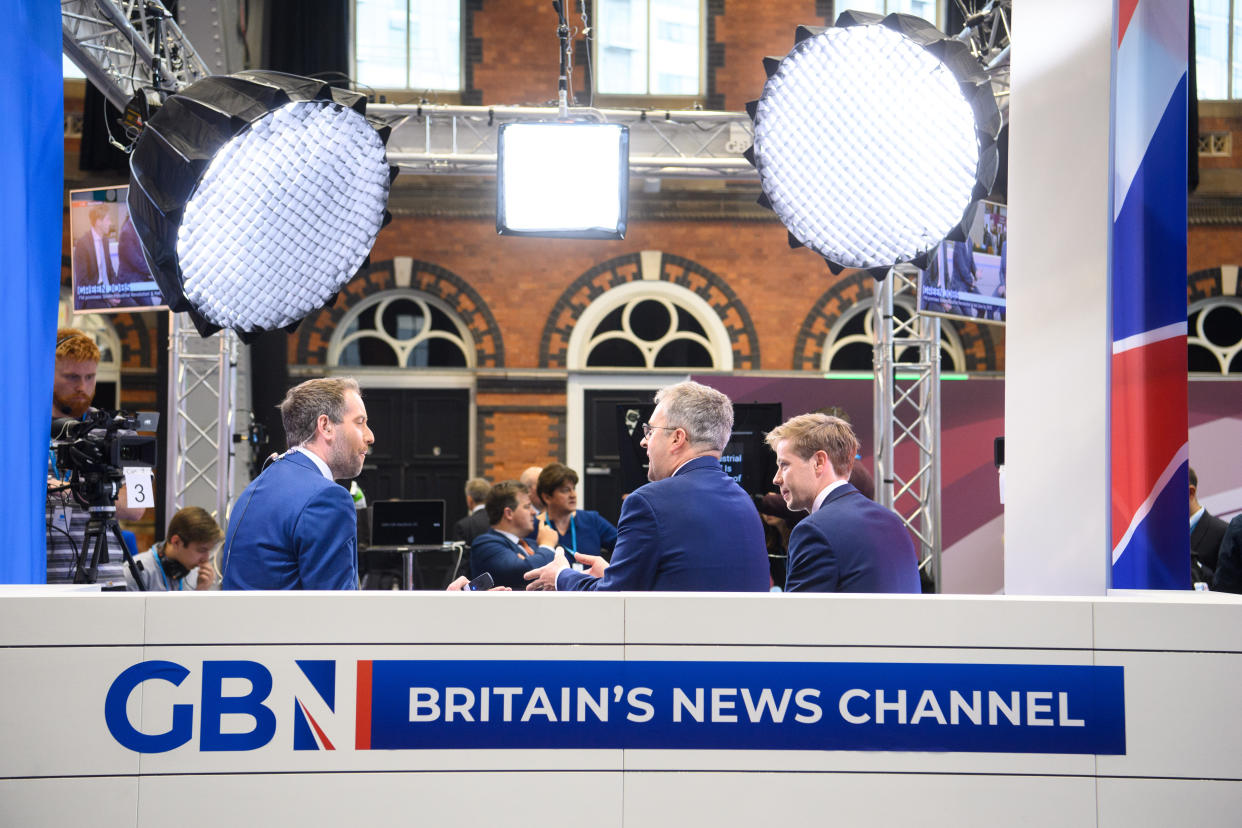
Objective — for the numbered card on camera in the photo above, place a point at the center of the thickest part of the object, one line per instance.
(138, 486)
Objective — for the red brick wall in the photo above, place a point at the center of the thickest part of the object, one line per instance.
(749, 32)
(514, 437)
(1213, 246)
(520, 65)
(521, 278)
(520, 61)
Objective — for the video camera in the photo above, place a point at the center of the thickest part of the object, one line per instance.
(94, 452)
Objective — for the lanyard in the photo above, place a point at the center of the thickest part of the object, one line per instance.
(572, 546)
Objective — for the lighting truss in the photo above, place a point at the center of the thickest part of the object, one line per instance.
(987, 34)
(123, 46)
(462, 140)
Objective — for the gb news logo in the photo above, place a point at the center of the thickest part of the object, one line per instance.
(234, 705)
(234, 709)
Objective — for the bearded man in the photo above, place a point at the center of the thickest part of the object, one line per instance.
(294, 527)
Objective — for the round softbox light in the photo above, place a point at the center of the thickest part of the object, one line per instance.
(874, 140)
(257, 196)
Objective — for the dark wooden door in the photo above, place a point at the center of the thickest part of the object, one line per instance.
(603, 482)
(422, 446)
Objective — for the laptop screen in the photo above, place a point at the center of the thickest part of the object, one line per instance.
(407, 523)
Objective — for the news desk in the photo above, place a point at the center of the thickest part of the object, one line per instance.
(714, 710)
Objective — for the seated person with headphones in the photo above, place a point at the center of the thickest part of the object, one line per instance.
(183, 561)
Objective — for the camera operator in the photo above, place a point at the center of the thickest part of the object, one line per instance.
(73, 390)
(183, 560)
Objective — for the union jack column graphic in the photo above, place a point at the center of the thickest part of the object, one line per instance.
(1149, 447)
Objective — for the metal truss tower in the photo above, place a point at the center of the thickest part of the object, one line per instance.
(907, 416)
(202, 381)
(907, 352)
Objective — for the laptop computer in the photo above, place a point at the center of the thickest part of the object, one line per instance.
(405, 523)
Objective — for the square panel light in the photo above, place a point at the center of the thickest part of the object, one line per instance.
(563, 180)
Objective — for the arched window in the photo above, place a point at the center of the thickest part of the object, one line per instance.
(850, 345)
(1214, 335)
(650, 324)
(402, 329)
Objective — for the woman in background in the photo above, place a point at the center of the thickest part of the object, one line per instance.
(578, 530)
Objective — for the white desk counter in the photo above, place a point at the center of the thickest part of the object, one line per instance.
(514, 709)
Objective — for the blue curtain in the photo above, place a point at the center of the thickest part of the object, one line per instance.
(32, 146)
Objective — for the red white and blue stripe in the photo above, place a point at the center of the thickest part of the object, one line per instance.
(1149, 443)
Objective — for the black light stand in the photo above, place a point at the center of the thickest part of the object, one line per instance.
(101, 524)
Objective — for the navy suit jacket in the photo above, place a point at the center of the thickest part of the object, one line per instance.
(694, 531)
(1205, 540)
(86, 268)
(851, 544)
(1228, 575)
(292, 528)
(493, 552)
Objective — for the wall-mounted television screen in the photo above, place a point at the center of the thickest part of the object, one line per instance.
(966, 280)
(110, 273)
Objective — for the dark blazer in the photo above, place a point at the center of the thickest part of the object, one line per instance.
(1228, 575)
(292, 528)
(86, 268)
(1205, 541)
(851, 544)
(493, 552)
(694, 531)
(471, 526)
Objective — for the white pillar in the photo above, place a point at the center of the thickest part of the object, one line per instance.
(1058, 338)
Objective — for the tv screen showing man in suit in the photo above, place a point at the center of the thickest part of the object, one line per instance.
(110, 272)
(966, 279)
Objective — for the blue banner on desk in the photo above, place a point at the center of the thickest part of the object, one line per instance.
(992, 708)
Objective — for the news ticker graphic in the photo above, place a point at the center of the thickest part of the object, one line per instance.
(720, 705)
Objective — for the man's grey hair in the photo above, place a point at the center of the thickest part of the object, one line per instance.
(705, 414)
(301, 407)
(477, 489)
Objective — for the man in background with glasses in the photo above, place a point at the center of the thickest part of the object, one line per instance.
(692, 528)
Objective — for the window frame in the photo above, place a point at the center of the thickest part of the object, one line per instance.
(1230, 22)
(452, 96)
(584, 335)
(942, 12)
(342, 338)
(648, 99)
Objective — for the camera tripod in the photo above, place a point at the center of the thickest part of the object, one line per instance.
(99, 526)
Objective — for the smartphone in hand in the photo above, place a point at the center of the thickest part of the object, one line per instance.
(481, 584)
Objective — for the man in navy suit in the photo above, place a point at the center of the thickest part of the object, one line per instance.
(849, 543)
(1206, 533)
(692, 528)
(503, 550)
(294, 527)
(92, 260)
(1228, 574)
